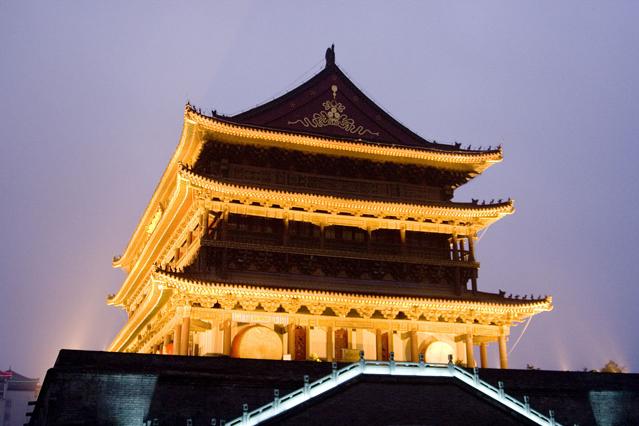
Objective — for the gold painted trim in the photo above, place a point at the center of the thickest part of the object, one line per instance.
(197, 287)
(339, 204)
(471, 161)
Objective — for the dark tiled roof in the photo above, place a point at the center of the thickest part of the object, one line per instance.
(351, 286)
(18, 382)
(304, 108)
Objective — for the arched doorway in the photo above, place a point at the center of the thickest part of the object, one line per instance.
(257, 341)
(438, 351)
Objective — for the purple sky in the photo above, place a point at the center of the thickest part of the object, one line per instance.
(91, 104)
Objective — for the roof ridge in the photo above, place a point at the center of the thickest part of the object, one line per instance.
(457, 147)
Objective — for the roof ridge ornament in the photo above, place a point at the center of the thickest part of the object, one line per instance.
(330, 55)
(333, 115)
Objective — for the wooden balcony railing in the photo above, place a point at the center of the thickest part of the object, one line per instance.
(389, 252)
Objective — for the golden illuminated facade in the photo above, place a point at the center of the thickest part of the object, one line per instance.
(314, 227)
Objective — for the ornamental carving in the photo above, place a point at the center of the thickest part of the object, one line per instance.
(316, 308)
(249, 304)
(240, 260)
(270, 306)
(333, 115)
(389, 313)
(154, 220)
(413, 313)
(366, 311)
(341, 310)
(227, 301)
(291, 305)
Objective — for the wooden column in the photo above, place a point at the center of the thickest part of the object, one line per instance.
(463, 249)
(329, 343)
(483, 354)
(285, 230)
(225, 219)
(378, 344)
(177, 330)
(184, 335)
(226, 349)
(470, 357)
(391, 343)
(291, 340)
(414, 354)
(204, 223)
(402, 237)
(471, 248)
(471, 258)
(456, 256)
(308, 341)
(454, 247)
(503, 352)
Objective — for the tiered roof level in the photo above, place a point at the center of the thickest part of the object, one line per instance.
(319, 220)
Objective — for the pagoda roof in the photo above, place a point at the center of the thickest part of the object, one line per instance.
(434, 208)
(348, 287)
(479, 300)
(330, 105)
(227, 130)
(181, 205)
(18, 382)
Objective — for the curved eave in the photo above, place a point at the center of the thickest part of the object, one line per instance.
(198, 287)
(443, 210)
(191, 142)
(159, 295)
(186, 152)
(179, 203)
(188, 183)
(453, 160)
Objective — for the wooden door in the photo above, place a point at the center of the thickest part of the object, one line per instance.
(300, 344)
(341, 342)
(385, 351)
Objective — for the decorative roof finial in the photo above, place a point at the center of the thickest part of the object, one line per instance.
(330, 55)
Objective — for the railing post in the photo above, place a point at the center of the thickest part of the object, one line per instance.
(500, 385)
(451, 366)
(391, 361)
(213, 421)
(362, 361)
(334, 371)
(421, 360)
(189, 422)
(551, 415)
(307, 387)
(244, 413)
(276, 398)
(476, 375)
(527, 403)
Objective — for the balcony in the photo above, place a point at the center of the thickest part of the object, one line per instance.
(376, 251)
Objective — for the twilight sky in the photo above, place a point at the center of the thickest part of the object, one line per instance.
(91, 104)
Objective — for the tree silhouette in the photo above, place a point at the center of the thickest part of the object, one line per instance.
(613, 367)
